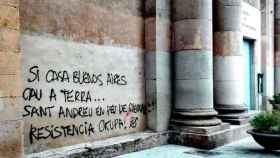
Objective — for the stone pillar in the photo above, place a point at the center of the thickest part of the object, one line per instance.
(267, 29)
(11, 139)
(193, 79)
(158, 63)
(228, 62)
(277, 47)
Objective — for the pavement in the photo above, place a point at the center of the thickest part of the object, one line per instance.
(245, 148)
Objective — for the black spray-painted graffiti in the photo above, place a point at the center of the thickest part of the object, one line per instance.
(78, 77)
(79, 105)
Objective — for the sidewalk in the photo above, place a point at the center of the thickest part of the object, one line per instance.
(245, 148)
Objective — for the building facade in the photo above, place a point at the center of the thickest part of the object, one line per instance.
(96, 78)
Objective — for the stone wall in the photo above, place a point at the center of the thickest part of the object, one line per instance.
(10, 81)
(83, 71)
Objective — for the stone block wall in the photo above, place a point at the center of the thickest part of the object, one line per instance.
(78, 71)
(83, 71)
(11, 142)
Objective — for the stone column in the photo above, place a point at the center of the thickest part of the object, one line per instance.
(277, 46)
(193, 79)
(229, 62)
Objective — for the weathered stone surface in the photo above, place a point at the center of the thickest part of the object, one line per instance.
(212, 140)
(10, 108)
(158, 99)
(158, 89)
(225, 21)
(160, 8)
(277, 26)
(150, 34)
(192, 34)
(192, 9)
(227, 43)
(11, 140)
(277, 59)
(150, 65)
(151, 101)
(150, 8)
(200, 130)
(84, 21)
(131, 7)
(228, 92)
(201, 122)
(164, 98)
(265, 18)
(109, 147)
(235, 115)
(276, 9)
(231, 108)
(9, 16)
(163, 4)
(157, 65)
(277, 50)
(196, 113)
(9, 40)
(164, 113)
(10, 63)
(203, 117)
(229, 83)
(163, 34)
(157, 34)
(228, 58)
(163, 8)
(236, 121)
(12, 3)
(163, 68)
(49, 53)
(192, 44)
(277, 79)
(228, 68)
(193, 94)
(193, 64)
(10, 85)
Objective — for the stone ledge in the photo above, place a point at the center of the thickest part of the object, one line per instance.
(116, 146)
(107, 148)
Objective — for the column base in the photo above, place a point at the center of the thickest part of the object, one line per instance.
(198, 118)
(199, 130)
(235, 118)
(207, 137)
(233, 114)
